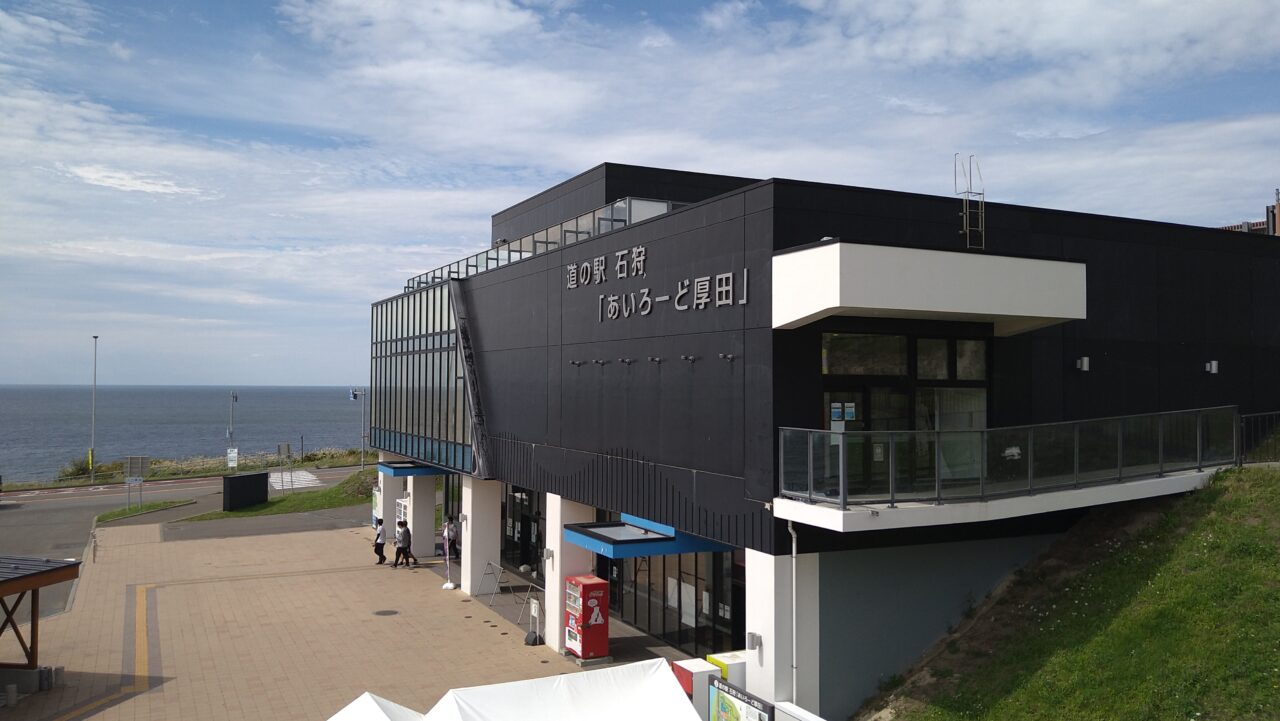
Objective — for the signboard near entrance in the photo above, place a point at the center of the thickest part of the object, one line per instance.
(233, 457)
(730, 703)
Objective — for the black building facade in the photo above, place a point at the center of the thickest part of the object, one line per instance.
(621, 344)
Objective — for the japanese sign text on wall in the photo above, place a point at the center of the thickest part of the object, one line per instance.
(709, 291)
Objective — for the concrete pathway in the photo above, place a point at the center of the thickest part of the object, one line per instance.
(281, 626)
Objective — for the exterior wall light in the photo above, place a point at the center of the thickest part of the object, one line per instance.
(753, 641)
(1211, 367)
(1082, 364)
(655, 359)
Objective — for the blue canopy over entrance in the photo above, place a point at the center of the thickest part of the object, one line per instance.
(633, 537)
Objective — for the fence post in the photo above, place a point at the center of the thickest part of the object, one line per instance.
(1119, 450)
(844, 486)
(1199, 441)
(937, 467)
(1160, 445)
(1237, 436)
(1075, 450)
(809, 445)
(982, 464)
(893, 472)
(1031, 461)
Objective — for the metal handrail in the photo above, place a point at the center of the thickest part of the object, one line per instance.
(967, 487)
(1100, 419)
(512, 251)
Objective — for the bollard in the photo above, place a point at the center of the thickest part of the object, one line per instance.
(59, 672)
(11, 695)
(45, 676)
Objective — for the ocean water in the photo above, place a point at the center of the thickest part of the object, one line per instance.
(44, 427)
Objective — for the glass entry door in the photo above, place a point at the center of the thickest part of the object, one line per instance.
(872, 408)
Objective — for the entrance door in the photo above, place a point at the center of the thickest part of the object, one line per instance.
(871, 408)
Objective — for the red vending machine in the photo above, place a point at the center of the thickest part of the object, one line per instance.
(586, 616)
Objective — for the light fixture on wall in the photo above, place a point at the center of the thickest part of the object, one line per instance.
(753, 641)
(1082, 364)
(1211, 367)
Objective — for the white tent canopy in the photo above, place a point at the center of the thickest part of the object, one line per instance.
(643, 691)
(375, 708)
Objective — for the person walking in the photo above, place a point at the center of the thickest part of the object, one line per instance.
(379, 542)
(402, 530)
(451, 538)
(408, 545)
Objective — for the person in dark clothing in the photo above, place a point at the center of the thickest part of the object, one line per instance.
(402, 548)
(379, 542)
(408, 545)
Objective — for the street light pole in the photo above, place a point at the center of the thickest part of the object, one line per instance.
(231, 427)
(93, 410)
(360, 394)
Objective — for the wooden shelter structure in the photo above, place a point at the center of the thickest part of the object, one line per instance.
(23, 577)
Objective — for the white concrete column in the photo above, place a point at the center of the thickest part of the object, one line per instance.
(566, 560)
(389, 490)
(481, 531)
(769, 614)
(422, 514)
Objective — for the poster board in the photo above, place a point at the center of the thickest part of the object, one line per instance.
(730, 703)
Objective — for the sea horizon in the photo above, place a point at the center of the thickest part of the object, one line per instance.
(45, 426)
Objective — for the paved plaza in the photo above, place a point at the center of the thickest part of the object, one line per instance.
(282, 625)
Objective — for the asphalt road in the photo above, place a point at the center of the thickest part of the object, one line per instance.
(56, 523)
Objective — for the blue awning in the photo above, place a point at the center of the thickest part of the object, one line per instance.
(410, 468)
(634, 536)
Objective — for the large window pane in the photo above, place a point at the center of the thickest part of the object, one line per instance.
(971, 360)
(931, 359)
(864, 355)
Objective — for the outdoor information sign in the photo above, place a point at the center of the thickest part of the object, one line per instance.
(233, 457)
(730, 703)
(135, 469)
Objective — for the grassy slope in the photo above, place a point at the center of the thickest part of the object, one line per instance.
(1177, 618)
(357, 488)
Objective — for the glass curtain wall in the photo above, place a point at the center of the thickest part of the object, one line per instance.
(693, 601)
(524, 530)
(417, 396)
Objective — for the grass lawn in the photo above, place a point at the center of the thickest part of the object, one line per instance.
(144, 508)
(1179, 619)
(356, 488)
(163, 469)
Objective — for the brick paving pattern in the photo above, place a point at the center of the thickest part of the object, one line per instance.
(278, 626)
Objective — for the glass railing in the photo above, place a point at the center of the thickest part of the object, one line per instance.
(618, 214)
(864, 467)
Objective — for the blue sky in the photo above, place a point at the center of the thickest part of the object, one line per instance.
(219, 190)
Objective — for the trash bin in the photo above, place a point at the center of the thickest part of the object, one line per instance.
(244, 490)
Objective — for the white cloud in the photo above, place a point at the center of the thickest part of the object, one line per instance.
(119, 50)
(128, 181)
(321, 162)
(727, 14)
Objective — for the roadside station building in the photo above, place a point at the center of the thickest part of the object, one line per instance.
(680, 382)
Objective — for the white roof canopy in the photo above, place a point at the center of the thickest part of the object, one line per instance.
(1015, 295)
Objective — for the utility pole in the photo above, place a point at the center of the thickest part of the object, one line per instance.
(93, 410)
